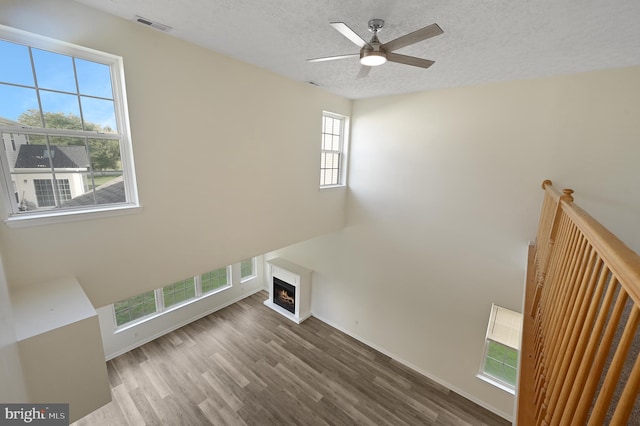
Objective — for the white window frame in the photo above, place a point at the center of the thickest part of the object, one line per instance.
(200, 294)
(508, 336)
(137, 320)
(15, 218)
(342, 151)
(161, 309)
(254, 271)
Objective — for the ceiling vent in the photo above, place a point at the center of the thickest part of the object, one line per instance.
(152, 24)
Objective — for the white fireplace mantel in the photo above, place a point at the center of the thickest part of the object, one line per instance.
(298, 277)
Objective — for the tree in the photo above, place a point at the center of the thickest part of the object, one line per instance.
(105, 154)
(59, 120)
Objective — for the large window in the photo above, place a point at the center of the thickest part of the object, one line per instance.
(179, 292)
(64, 127)
(334, 148)
(138, 308)
(214, 280)
(135, 307)
(502, 343)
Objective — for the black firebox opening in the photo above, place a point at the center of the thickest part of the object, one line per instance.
(284, 295)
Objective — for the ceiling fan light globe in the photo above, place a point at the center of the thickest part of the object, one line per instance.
(373, 59)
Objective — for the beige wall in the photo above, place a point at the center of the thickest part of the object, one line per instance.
(12, 382)
(227, 158)
(444, 197)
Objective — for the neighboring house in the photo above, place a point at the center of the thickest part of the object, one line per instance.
(111, 192)
(35, 189)
(12, 141)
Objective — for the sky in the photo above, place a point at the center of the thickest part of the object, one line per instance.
(56, 78)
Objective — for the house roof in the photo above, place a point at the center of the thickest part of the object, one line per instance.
(109, 193)
(63, 157)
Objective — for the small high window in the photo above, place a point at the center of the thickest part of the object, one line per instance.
(64, 128)
(247, 269)
(502, 343)
(333, 150)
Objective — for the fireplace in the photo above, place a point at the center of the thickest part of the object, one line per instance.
(289, 288)
(284, 295)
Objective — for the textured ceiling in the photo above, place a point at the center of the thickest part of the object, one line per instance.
(483, 41)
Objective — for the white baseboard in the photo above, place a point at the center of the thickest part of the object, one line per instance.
(460, 392)
(180, 324)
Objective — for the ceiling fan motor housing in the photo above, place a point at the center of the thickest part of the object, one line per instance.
(376, 25)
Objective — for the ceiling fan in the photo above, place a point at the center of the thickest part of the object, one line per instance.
(375, 53)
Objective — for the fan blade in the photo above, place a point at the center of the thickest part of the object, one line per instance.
(332, 58)
(414, 37)
(364, 71)
(409, 60)
(350, 34)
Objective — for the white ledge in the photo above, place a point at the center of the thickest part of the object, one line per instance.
(45, 218)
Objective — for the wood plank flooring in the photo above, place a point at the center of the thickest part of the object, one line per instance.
(248, 365)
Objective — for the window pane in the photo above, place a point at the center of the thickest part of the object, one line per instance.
(19, 105)
(179, 292)
(501, 363)
(99, 115)
(136, 307)
(335, 143)
(43, 189)
(68, 154)
(246, 268)
(94, 79)
(105, 155)
(214, 280)
(61, 111)
(54, 71)
(326, 142)
(20, 71)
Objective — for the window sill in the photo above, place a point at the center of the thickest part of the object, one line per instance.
(496, 383)
(36, 219)
(322, 188)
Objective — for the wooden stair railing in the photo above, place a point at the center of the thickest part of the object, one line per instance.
(582, 309)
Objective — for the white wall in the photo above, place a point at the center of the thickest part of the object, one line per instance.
(227, 159)
(12, 383)
(444, 197)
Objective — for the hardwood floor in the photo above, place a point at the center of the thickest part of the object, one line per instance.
(247, 365)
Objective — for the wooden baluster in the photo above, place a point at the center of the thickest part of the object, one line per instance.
(629, 395)
(547, 217)
(548, 245)
(596, 368)
(613, 374)
(592, 338)
(571, 331)
(561, 317)
(580, 336)
(553, 306)
(548, 307)
(550, 293)
(560, 284)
